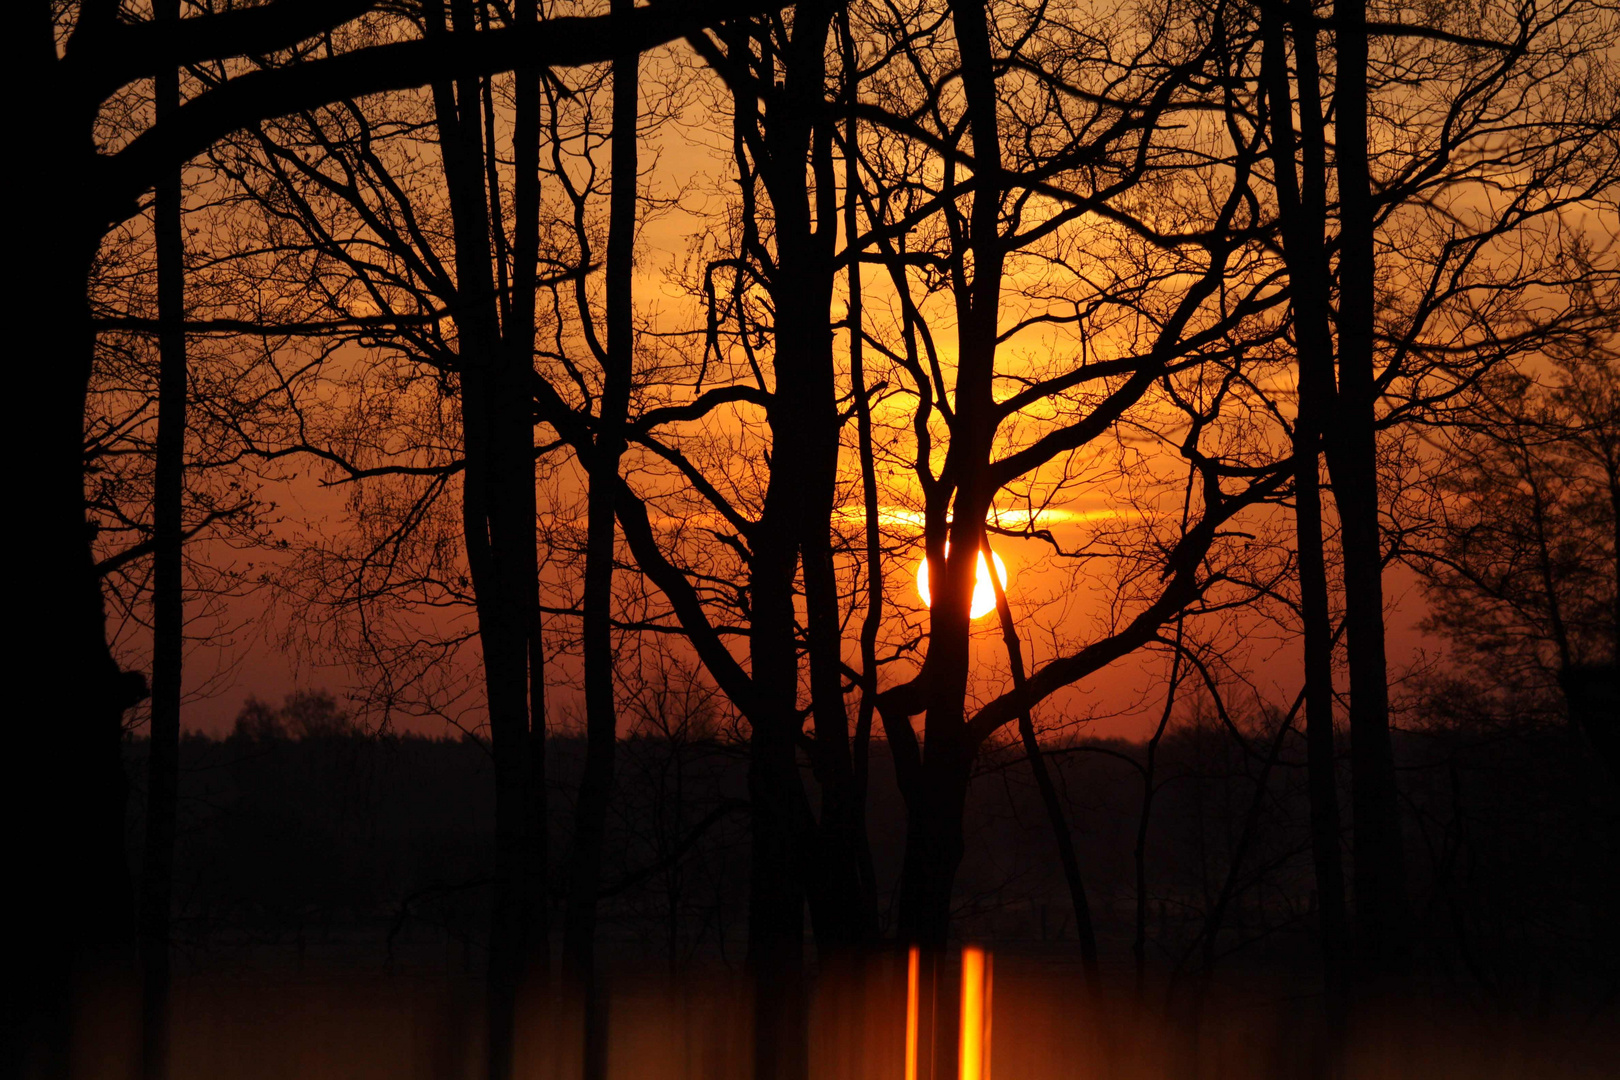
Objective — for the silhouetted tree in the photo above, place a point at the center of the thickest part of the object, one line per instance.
(1518, 550)
(88, 55)
(1404, 292)
(1016, 187)
(1299, 205)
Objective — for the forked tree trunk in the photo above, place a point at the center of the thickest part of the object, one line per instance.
(843, 918)
(934, 842)
(799, 503)
(794, 858)
(498, 515)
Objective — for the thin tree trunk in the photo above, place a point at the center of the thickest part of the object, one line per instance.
(1043, 781)
(861, 747)
(1380, 870)
(519, 339)
(1320, 745)
(1145, 816)
(601, 721)
(168, 605)
(1612, 469)
(600, 716)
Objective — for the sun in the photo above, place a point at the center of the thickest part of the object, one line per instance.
(984, 593)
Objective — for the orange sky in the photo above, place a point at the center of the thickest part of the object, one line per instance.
(1123, 699)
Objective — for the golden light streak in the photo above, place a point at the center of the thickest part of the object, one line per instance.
(984, 593)
(975, 1015)
(913, 976)
(989, 1011)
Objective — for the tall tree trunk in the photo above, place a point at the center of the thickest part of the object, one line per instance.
(783, 827)
(168, 612)
(860, 749)
(81, 916)
(498, 515)
(796, 859)
(1320, 745)
(78, 906)
(811, 425)
(519, 340)
(1304, 249)
(934, 841)
(786, 854)
(1380, 870)
(601, 722)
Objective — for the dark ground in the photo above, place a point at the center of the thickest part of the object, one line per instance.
(332, 896)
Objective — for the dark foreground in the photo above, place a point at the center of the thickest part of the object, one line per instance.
(332, 906)
(1042, 1024)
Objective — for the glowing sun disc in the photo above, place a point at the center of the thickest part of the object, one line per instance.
(984, 593)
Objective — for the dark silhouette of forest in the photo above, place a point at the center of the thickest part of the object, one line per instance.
(768, 440)
(304, 839)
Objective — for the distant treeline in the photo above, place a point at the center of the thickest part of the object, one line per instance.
(306, 839)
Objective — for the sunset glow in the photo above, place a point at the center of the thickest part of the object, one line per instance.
(544, 698)
(984, 593)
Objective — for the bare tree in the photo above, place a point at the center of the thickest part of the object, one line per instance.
(1018, 200)
(91, 57)
(1518, 546)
